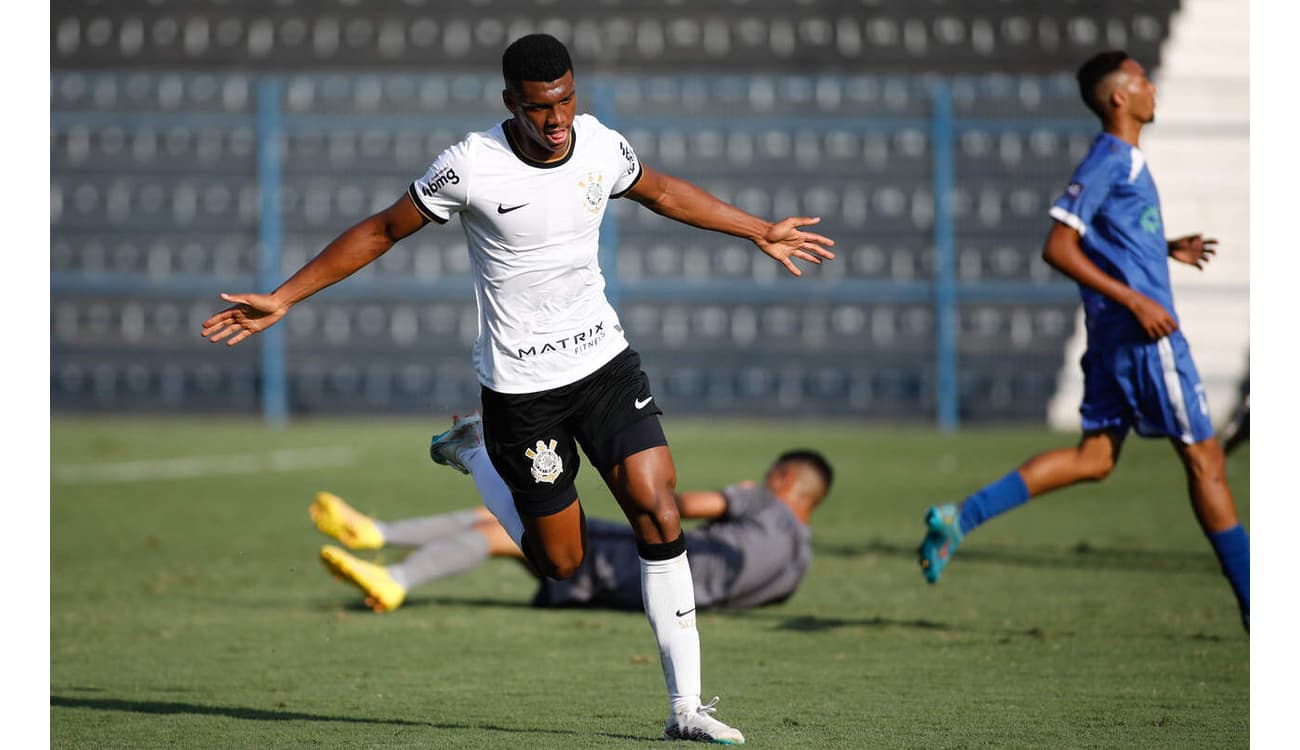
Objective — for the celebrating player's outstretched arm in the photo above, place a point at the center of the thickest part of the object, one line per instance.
(348, 253)
(680, 200)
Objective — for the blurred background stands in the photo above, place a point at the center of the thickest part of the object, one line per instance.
(158, 173)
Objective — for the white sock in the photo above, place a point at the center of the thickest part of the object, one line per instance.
(669, 598)
(496, 495)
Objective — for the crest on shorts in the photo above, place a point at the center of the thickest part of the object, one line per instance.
(547, 465)
(593, 192)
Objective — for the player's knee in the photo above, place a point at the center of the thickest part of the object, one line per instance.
(666, 520)
(1096, 463)
(1100, 468)
(558, 561)
(1205, 463)
(654, 515)
(563, 565)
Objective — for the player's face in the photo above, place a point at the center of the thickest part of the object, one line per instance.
(1139, 91)
(543, 115)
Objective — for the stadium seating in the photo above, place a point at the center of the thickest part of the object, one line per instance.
(825, 109)
(909, 36)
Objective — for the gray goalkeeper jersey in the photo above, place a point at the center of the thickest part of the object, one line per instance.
(755, 554)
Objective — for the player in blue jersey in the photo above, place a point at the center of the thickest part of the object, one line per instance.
(1138, 371)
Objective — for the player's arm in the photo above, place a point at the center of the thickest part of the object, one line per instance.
(680, 200)
(347, 254)
(1193, 249)
(697, 504)
(1064, 252)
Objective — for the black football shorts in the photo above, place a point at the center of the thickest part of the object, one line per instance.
(532, 438)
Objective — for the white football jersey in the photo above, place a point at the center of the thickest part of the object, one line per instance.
(533, 234)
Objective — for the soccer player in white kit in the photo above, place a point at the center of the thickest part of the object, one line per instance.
(554, 366)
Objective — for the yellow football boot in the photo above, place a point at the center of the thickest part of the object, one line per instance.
(343, 522)
(383, 594)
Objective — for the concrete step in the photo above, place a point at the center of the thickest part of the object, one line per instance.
(1202, 97)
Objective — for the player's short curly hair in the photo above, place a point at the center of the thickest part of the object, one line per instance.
(1091, 74)
(813, 459)
(535, 57)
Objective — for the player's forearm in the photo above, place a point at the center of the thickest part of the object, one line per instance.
(701, 504)
(681, 201)
(1062, 252)
(348, 253)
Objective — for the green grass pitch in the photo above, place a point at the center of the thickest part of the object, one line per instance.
(188, 608)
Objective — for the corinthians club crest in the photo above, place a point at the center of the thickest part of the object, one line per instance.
(593, 193)
(546, 462)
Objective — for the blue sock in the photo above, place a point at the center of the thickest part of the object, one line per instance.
(1233, 548)
(999, 497)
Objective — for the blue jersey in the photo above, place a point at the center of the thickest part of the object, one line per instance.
(1113, 204)
(1129, 381)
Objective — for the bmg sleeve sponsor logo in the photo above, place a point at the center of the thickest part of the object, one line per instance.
(440, 179)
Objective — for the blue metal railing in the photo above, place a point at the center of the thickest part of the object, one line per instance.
(270, 132)
(945, 294)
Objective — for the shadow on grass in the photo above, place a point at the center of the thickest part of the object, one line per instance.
(418, 602)
(1082, 556)
(814, 624)
(258, 714)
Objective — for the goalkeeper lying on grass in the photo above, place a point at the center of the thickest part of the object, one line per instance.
(754, 550)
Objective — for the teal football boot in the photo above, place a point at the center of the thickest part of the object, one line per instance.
(942, 536)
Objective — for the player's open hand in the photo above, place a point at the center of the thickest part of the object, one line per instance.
(1193, 250)
(249, 314)
(785, 240)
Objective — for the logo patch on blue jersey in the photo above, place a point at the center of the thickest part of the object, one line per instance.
(1074, 190)
(1151, 219)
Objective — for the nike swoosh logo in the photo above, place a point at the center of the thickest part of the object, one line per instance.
(641, 405)
(503, 210)
(687, 612)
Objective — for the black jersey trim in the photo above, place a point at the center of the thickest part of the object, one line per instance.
(419, 206)
(635, 180)
(510, 141)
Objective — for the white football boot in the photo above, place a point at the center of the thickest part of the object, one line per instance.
(446, 447)
(699, 726)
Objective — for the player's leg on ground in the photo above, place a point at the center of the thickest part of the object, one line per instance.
(499, 543)
(448, 556)
(1216, 511)
(416, 532)
(947, 525)
(479, 537)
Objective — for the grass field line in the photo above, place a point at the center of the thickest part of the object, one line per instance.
(200, 467)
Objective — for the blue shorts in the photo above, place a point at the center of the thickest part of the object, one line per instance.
(1152, 387)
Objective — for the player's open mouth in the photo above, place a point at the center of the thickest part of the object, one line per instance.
(558, 138)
